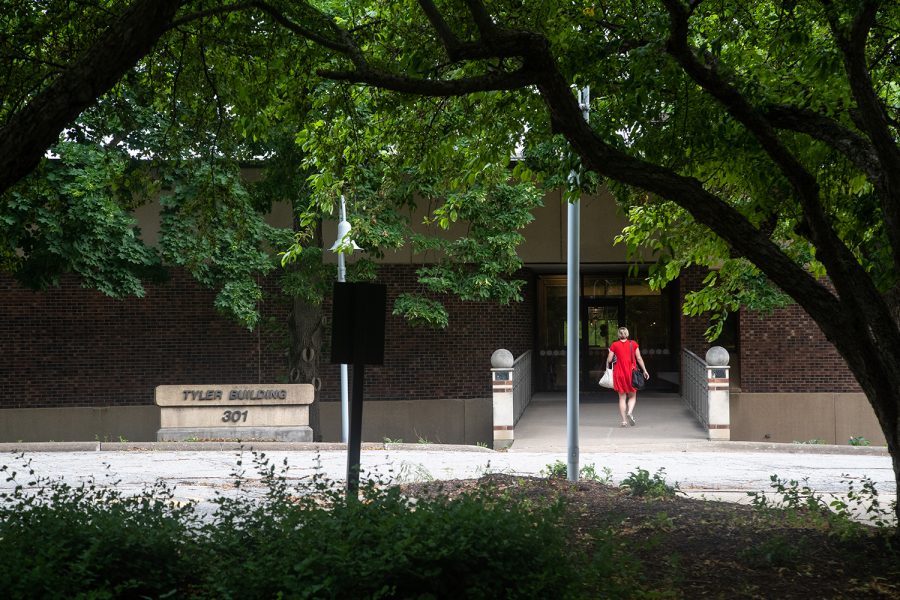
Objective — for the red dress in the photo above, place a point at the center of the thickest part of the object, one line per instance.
(624, 364)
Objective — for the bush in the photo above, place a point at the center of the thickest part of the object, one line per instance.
(300, 542)
(91, 541)
(560, 470)
(642, 484)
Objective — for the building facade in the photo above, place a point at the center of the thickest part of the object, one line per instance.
(80, 366)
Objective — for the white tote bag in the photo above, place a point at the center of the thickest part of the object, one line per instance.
(607, 379)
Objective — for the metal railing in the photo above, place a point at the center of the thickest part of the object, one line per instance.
(695, 390)
(521, 384)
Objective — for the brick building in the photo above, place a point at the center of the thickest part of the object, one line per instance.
(79, 365)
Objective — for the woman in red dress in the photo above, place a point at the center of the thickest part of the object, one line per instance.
(621, 350)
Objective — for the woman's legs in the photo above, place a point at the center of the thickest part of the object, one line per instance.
(632, 400)
(622, 408)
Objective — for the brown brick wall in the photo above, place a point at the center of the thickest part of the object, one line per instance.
(421, 363)
(692, 328)
(786, 352)
(69, 346)
(74, 347)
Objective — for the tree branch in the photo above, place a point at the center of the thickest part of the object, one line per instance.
(738, 106)
(690, 194)
(344, 45)
(430, 87)
(886, 51)
(202, 14)
(855, 147)
(540, 69)
(481, 17)
(31, 131)
(448, 39)
(871, 114)
(844, 270)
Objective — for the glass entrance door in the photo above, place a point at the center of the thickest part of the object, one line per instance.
(599, 324)
(608, 301)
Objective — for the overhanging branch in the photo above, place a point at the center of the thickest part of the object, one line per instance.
(871, 114)
(842, 266)
(448, 39)
(853, 146)
(481, 17)
(31, 131)
(687, 192)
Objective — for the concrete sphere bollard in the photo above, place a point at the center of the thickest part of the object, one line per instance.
(502, 359)
(717, 356)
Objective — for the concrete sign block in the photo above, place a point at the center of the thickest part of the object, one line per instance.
(278, 412)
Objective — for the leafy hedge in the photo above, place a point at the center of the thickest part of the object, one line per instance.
(94, 541)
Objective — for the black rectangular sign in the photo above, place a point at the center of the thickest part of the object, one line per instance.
(357, 323)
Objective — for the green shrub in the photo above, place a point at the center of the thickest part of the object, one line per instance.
(841, 516)
(91, 540)
(386, 545)
(642, 484)
(589, 473)
(560, 470)
(556, 470)
(294, 541)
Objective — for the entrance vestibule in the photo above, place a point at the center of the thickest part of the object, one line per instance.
(608, 300)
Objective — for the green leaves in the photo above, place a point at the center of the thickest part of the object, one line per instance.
(421, 312)
(70, 216)
(243, 86)
(678, 242)
(210, 227)
(476, 266)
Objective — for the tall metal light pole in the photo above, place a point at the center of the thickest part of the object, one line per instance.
(573, 277)
(342, 240)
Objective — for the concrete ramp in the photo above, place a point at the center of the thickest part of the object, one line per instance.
(661, 418)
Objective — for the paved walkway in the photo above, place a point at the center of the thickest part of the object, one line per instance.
(666, 437)
(723, 470)
(661, 418)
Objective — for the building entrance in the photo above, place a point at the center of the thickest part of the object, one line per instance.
(599, 323)
(607, 301)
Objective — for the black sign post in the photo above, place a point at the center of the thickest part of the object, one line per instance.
(357, 338)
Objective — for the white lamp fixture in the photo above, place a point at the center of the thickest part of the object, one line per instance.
(343, 230)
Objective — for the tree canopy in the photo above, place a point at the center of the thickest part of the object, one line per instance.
(226, 89)
(770, 125)
(757, 136)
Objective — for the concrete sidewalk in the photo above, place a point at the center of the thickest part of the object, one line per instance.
(199, 472)
(666, 437)
(661, 418)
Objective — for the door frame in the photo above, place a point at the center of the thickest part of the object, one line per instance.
(586, 382)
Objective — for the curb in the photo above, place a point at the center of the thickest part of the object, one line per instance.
(238, 446)
(229, 446)
(723, 447)
(799, 448)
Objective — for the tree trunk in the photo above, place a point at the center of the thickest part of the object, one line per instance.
(878, 376)
(306, 324)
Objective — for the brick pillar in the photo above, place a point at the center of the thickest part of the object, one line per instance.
(502, 388)
(717, 382)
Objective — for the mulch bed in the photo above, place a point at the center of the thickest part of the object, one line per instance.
(708, 549)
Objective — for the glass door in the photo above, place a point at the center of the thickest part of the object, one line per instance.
(599, 324)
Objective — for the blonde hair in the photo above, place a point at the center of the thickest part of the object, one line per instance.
(623, 333)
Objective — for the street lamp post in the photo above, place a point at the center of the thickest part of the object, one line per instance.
(573, 309)
(342, 240)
